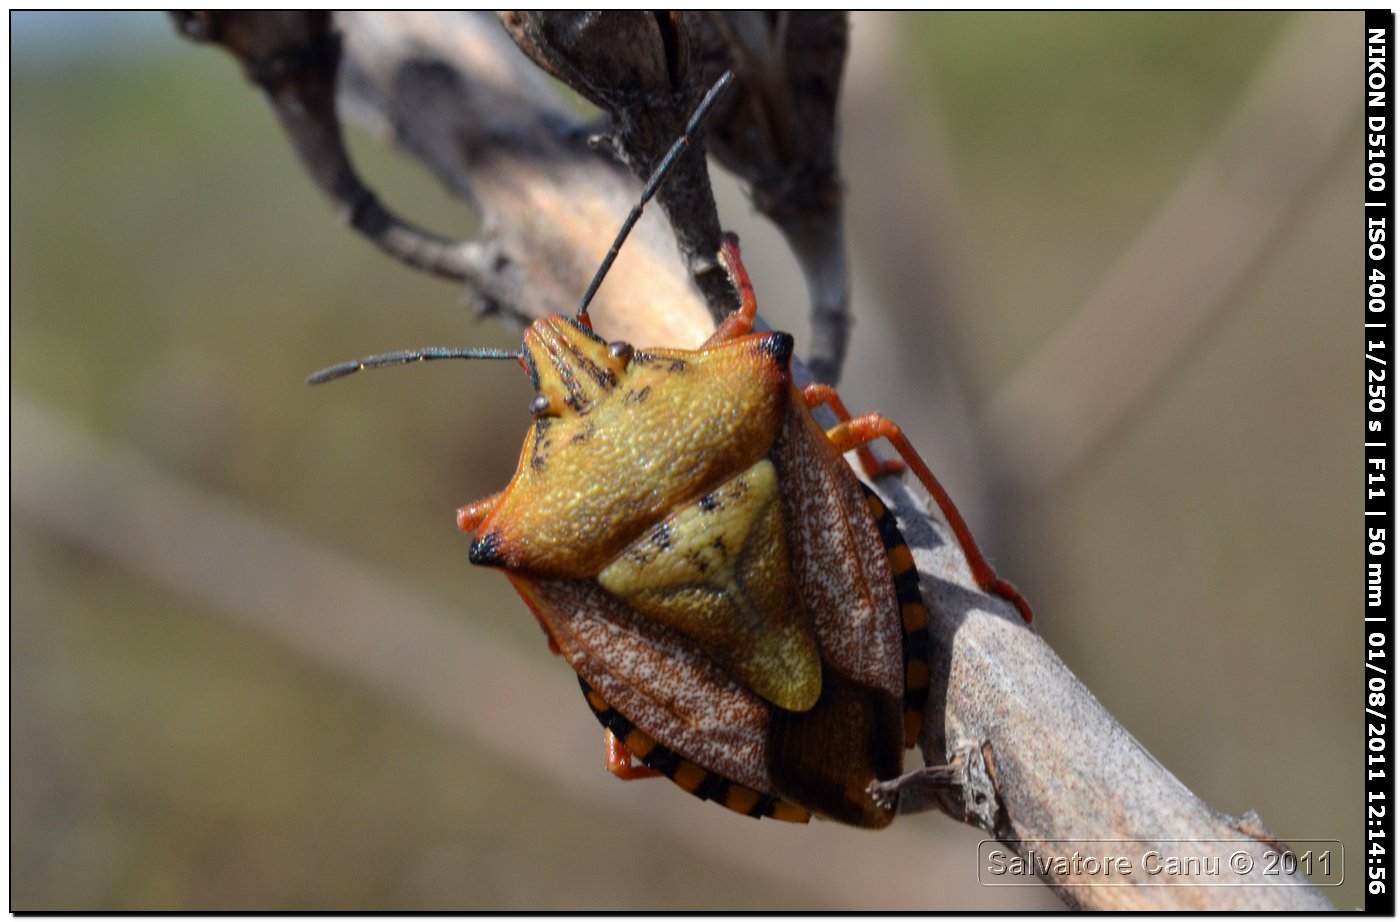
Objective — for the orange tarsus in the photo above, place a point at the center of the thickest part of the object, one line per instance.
(862, 430)
(619, 760)
(470, 516)
(739, 323)
(814, 395)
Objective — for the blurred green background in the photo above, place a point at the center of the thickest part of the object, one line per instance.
(174, 277)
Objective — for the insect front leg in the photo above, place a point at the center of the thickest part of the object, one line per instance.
(470, 516)
(739, 323)
(618, 758)
(862, 430)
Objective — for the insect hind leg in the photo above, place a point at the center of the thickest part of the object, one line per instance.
(618, 759)
(853, 433)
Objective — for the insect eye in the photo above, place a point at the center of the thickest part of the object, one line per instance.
(540, 406)
(620, 350)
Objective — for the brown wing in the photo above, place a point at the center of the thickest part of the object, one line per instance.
(687, 775)
(663, 682)
(838, 557)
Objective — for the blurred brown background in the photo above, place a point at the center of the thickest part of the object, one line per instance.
(251, 667)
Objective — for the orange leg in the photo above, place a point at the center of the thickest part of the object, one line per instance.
(619, 760)
(739, 323)
(862, 430)
(814, 395)
(470, 516)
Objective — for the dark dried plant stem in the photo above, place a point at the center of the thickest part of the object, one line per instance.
(781, 139)
(294, 57)
(636, 65)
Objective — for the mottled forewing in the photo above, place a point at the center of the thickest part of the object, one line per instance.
(838, 557)
(656, 678)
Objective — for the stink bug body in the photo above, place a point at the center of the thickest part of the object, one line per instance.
(743, 614)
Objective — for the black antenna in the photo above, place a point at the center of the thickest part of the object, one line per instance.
(403, 358)
(653, 184)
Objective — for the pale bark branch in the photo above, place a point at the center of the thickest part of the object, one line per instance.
(1036, 758)
(1064, 776)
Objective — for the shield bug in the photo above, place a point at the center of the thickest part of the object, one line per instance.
(743, 614)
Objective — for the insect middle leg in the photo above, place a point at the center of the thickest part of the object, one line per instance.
(816, 395)
(851, 434)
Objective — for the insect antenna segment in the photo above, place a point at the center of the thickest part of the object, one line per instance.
(404, 358)
(658, 176)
